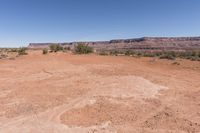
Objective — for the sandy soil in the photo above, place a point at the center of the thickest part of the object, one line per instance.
(59, 93)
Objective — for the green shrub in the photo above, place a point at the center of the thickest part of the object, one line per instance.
(191, 55)
(52, 47)
(149, 55)
(158, 54)
(55, 47)
(83, 49)
(45, 51)
(115, 52)
(22, 51)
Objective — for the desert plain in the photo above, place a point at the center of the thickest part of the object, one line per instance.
(67, 93)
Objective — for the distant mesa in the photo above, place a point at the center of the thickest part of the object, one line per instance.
(137, 44)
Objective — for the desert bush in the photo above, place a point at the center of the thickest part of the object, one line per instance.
(149, 55)
(55, 47)
(195, 58)
(45, 51)
(116, 53)
(158, 54)
(194, 53)
(22, 51)
(191, 55)
(172, 53)
(167, 56)
(139, 54)
(129, 52)
(13, 50)
(67, 48)
(83, 49)
(103, 53)
(187, 54)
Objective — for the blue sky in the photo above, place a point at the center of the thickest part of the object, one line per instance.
(25, 21)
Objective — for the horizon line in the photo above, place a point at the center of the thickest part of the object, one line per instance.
(53, 42)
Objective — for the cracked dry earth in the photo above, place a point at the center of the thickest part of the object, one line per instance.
(59, 93)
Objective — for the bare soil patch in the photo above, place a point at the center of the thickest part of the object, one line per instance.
(61, 92)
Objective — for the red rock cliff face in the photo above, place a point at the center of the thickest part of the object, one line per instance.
(138, 44)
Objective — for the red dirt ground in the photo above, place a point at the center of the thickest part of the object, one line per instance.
(62, 92)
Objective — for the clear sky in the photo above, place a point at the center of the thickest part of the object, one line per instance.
(25, 21)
